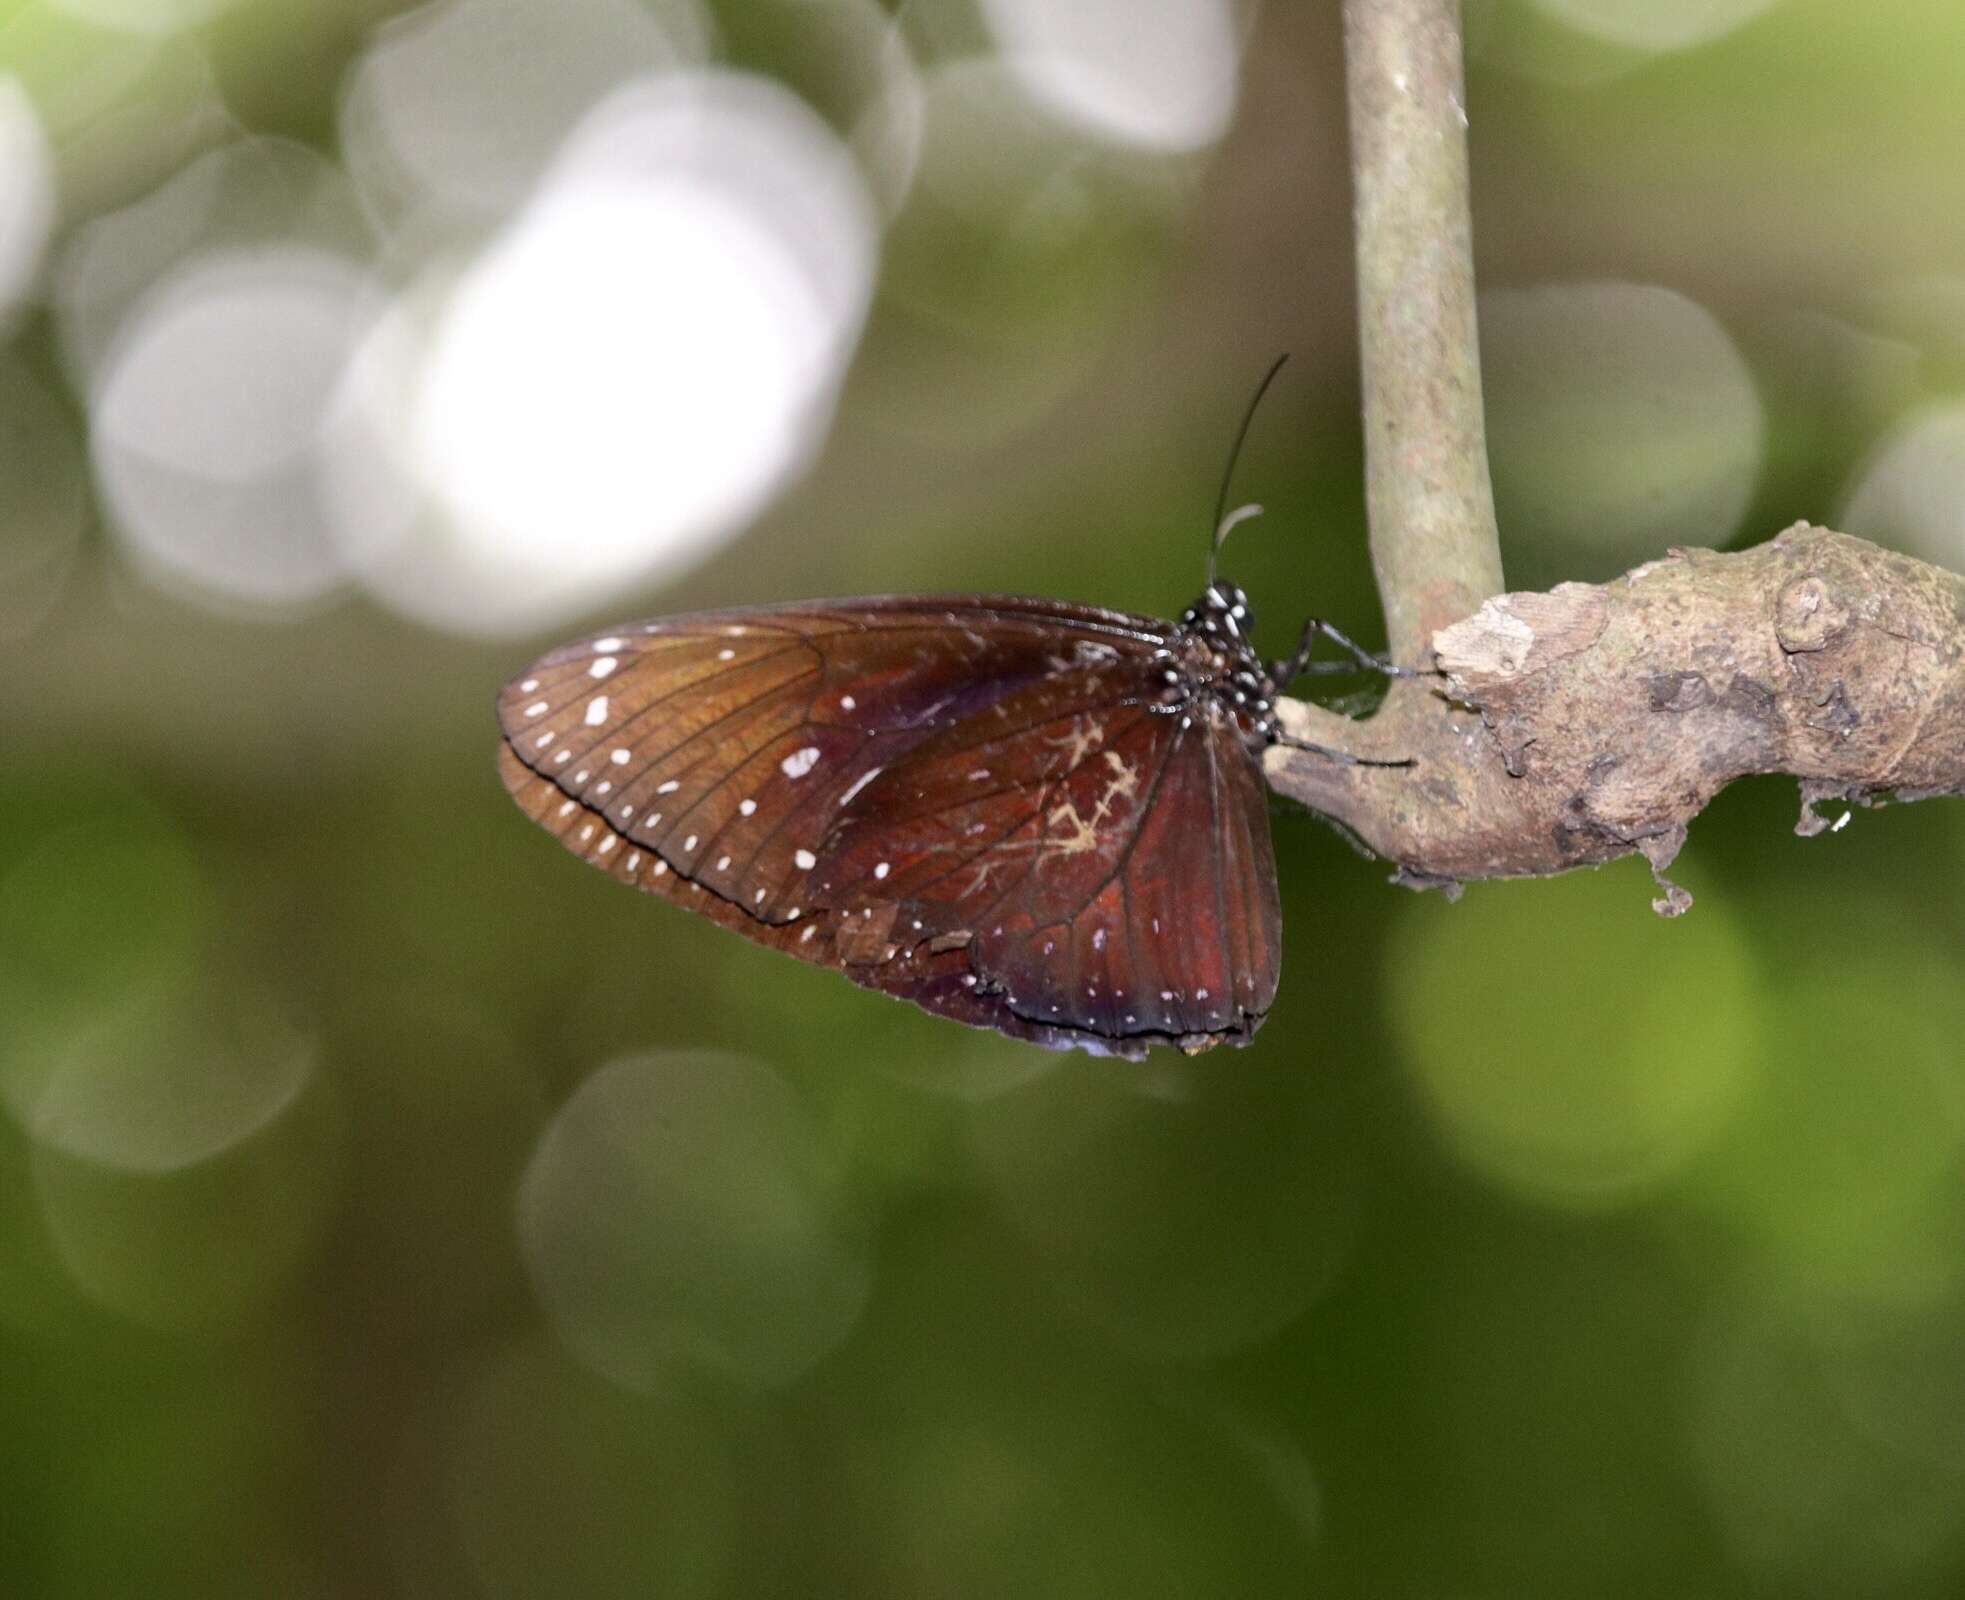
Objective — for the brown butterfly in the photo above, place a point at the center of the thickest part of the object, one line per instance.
(1026, 815)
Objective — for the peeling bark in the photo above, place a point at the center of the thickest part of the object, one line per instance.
(1596, 721)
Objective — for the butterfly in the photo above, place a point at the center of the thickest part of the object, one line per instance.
(1043, 818)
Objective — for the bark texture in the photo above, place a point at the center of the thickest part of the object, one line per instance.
(1594, 721)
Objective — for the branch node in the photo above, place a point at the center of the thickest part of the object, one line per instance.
(1808, 616)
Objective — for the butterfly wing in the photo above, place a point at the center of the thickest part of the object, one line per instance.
(967, 802)
(1107, 868)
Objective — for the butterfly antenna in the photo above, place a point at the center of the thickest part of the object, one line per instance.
(1223, 522)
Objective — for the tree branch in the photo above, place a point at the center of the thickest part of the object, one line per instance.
(1433, 540)
(1593, 721)
(1609, 715)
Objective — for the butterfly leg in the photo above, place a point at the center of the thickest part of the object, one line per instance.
(1342, 757)
(1300, 664)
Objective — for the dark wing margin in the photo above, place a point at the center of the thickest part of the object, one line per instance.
(970, 803)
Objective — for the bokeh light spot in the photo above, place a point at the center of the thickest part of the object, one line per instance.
(459, 107)
(207, 420)
(680, 1209)
(1548, 1030)
(1844, 1164)
(246, 199)
(1013, 265)
(226, 377)
(1910, 494)
(146, 17)
(1621, 419)
(27, 193)
(158, 1088)
(633, 369)
(171, 1239)
(1161, 76)
(1656, 25)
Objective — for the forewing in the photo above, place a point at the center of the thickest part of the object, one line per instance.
(729, 743)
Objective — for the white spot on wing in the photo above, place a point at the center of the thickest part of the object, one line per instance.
(602, 666)
(667, 788)
(597, 711)
(847, 702)
(746, 807)
(536, 709)
(726, 655)
(619, 758)
(805, 859)
(723, 864)
(608, 646)
(882, 870)
(800, 761)
(689, 843)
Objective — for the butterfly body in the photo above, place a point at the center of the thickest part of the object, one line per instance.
(1037, 817)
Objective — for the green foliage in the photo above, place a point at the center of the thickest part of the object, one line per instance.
(390, 1206)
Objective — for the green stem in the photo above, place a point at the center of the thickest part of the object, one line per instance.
(1433, 540)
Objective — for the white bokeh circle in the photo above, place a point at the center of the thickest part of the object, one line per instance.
(621, 380)
(27, 193)
(1159, 76)
(207, 417)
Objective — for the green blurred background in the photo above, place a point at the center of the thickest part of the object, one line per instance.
(389, 1206)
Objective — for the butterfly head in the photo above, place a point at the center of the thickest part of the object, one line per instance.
(1221, 666)
(1223, 613)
